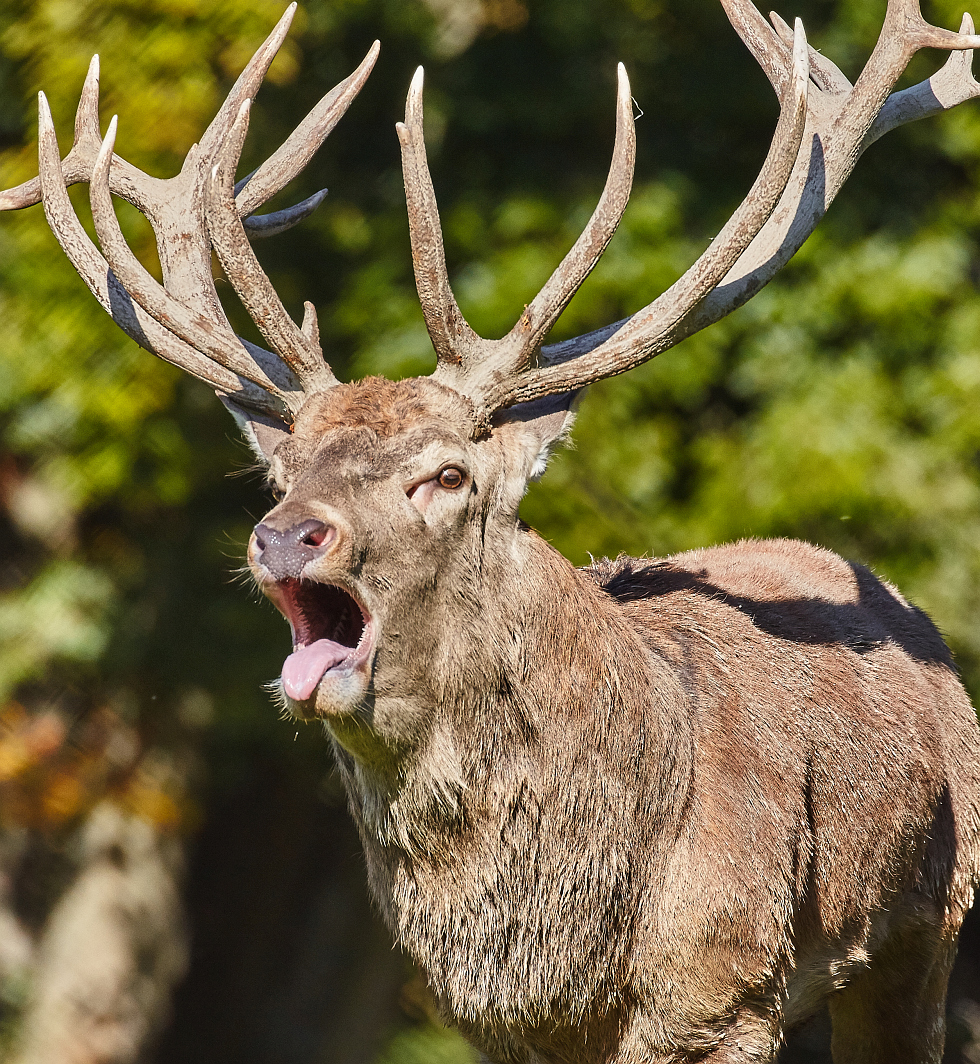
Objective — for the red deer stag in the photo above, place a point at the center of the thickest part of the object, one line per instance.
(647, 811)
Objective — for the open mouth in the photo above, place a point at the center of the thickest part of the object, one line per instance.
(330, 633)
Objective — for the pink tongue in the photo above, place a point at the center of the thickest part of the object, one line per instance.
(302, 670)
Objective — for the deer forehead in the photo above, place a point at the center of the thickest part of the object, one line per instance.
(375, 428)
(387, 408)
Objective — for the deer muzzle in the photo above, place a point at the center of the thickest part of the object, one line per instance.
(298, 567)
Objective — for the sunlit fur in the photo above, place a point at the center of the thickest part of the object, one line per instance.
(647, 811)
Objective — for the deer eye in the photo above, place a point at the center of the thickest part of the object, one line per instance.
(450, 478)
(278, 493)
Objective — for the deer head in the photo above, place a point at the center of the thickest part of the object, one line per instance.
(399, 500)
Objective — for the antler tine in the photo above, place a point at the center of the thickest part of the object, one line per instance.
(78, 160)
(95, 272)
(87, 112)
(310, 326)
(826, 74)
(299, 147)
(762, 40)
(451, 335)
(261, 225)
(209, 335)
(298, 350)
(648, 331)
(542, 313)
(906, 15)
(246, 86)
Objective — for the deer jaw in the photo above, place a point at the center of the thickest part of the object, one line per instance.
(381, 591)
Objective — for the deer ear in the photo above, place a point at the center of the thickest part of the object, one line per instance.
(264, 434)
(540, 425)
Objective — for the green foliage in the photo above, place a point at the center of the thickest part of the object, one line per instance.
(428, 1044)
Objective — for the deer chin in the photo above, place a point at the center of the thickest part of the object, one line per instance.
(333, 643)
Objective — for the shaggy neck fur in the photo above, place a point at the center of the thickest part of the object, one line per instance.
(484, 836)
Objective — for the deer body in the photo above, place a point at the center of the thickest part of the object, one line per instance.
(648, 812)
(742, 809)
(637, 812)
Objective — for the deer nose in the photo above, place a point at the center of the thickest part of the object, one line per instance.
(285, 552)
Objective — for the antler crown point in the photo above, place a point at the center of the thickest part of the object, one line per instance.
(44, 112)
(109, 141)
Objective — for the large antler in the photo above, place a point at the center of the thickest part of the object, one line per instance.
(824, 125)
(182, 320)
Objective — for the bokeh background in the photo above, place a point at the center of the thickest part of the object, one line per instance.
(179, 881)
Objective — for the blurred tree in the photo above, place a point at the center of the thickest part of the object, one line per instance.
(839, 406)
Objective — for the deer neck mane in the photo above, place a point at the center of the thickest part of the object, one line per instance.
(565, 724)
(558, 693)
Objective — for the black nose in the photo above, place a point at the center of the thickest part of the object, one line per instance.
(284, 552)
